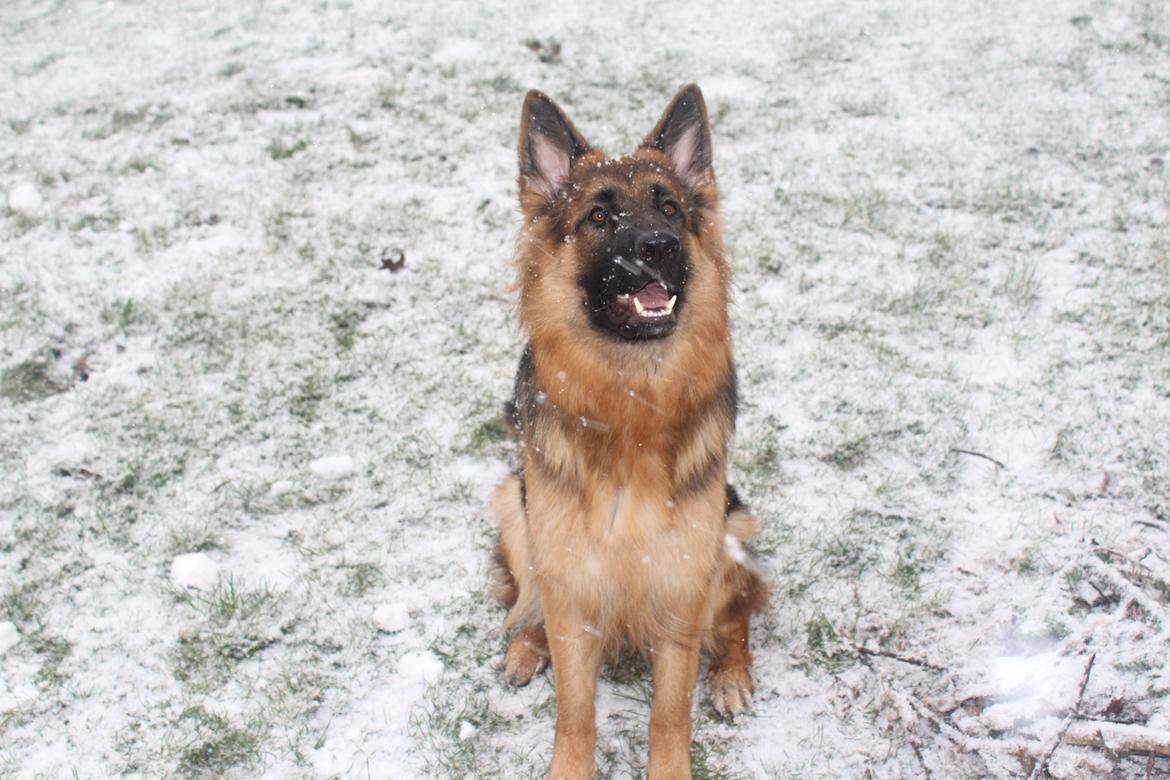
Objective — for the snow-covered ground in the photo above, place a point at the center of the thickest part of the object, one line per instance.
(243, 467)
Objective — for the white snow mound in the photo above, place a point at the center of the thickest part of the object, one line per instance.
(24, 198)
(333, 467)
(420, 665)
(9, 636)
(391, 618)
(194, 570)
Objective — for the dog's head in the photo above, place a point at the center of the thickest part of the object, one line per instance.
(623, 251)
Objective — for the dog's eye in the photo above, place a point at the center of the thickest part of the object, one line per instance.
(598, 216)
(669, 208)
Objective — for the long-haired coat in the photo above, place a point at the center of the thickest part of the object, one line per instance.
(619, 527)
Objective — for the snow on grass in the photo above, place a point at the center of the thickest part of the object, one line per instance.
(952, 308)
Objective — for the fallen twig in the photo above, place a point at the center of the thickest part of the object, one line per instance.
(895, 657)
(1042, 767)
(979, 455)
(1132, 591)
(1119, 737)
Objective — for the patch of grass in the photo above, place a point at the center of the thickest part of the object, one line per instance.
(344, 324)
(943, 248)
(21, 605)
(30, 380)
(488, 434)
(218, 745)
(1012, 200)
(502, 83)
(630, 669)
(52, 651)
(547, 51)
(312, 390)
(279, 150)
(123, 119)
(706, 764)
(928, 294)
(866, 209)
(127, 315)
(439, 723)
(231, 600)
(906, 574)
(153, 238)
(860, 106)
(98, 223)
(1020, 285)
(390, 95)
(206, 660)
(138, 165)
(824, 647)
(850, 454)
(361, 578)
(1026, 564)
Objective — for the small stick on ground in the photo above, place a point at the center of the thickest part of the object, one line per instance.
(895, 657)
(1119, 737)
(979, 455)
(1041, 768)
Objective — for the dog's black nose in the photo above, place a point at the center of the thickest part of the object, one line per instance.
(656, 246)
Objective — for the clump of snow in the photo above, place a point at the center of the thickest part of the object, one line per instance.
(333, 467)
(281, 487)
(420, 665)
(25, 199)
(9, 636)
(391, 618)
(196, 571)
(455, 51)
(1027, 687)
(467, 730)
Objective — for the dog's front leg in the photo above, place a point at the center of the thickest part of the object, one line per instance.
(576, 660)
(676, 663)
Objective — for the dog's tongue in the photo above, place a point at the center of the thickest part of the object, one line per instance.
(652, 296)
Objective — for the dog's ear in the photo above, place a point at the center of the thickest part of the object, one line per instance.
(684, 135)
(549, 144)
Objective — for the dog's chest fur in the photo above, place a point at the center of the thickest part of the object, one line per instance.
(622, 516)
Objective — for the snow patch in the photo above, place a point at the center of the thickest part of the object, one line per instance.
(281, 487)
(333, 467)
(391, 618)
(420, 665)
(1030, 687)
(194, 570)
(9, 636)
(25, 199)
(453, 51)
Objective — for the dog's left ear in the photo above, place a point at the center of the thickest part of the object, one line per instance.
(684, 135)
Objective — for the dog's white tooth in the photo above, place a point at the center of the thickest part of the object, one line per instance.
(624, 297)
(639, 307)
(670, 304)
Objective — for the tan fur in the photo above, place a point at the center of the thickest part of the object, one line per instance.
(623, 536)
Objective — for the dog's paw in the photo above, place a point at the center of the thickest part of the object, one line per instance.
(523, 661)
(731, 689)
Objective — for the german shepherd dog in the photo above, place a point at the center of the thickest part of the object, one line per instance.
(619, 527)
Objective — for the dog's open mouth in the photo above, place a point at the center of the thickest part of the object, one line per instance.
(648, 312)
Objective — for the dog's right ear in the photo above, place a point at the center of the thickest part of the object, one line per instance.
(549, 144)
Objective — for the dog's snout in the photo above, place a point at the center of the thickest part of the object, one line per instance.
(656, 246)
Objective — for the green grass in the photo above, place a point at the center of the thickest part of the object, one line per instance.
(824, 647)
(31, 380)
(280, 149)
(216, 746)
